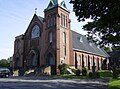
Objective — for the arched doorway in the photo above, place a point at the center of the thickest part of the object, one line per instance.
(51, 62)
(33, 59)
(17, 62)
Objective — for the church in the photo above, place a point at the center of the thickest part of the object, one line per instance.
(49, 42)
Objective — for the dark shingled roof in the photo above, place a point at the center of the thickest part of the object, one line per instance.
(80, 43)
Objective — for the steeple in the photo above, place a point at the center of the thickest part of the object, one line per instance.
(56, 3)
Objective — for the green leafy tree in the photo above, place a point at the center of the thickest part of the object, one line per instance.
(4, 63)
(105, 15)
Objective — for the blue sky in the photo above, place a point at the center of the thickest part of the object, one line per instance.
(15, 16)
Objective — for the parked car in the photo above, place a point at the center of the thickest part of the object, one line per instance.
(4, 72)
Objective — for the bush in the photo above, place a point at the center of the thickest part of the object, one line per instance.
(119, 70)
(62, 68)
(78, 72)
(84, 71)
(90, 74)
(115, 74)
(97, 74)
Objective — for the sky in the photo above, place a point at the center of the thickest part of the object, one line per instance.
(15, 16)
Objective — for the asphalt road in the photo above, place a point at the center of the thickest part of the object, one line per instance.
(51, 83)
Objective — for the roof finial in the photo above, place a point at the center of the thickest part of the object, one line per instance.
(35, 10)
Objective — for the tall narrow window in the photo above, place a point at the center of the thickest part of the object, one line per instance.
(51, 22)
(78, 61)
(66, 22)
(85, 61)
(50, 37)
(61, 19)
(64, 38)
(64, 50)
(64, 43)
(54, 20)
(91, 61)
(48, 21)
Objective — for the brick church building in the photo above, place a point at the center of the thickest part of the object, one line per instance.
(49, 41)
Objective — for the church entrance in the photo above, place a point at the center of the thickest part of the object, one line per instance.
(33, 59)
(51, 63)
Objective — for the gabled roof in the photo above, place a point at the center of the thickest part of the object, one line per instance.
(80, 43)
(40, 18)
(56, 3)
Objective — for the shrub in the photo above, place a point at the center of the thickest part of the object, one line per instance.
(78, 72)
(62, 68)
(119, 70)
(97, 74)
(115, 73)
(90, 74)
(84, 71)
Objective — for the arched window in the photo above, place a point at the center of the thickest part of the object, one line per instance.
(50, 37)
(35, 31)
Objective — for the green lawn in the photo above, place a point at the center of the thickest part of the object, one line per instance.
(114, 84)
(74, 76)
(105, 73)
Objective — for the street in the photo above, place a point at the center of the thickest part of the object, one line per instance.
(46, 82)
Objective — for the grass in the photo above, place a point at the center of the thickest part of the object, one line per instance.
(114, 84)
(105, 74)
(74, 76)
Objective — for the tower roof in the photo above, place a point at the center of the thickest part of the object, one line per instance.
(56, 3)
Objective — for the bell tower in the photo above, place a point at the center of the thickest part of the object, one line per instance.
(58, 31)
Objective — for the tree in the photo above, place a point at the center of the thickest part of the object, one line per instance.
(4, 63)
(105, 15)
